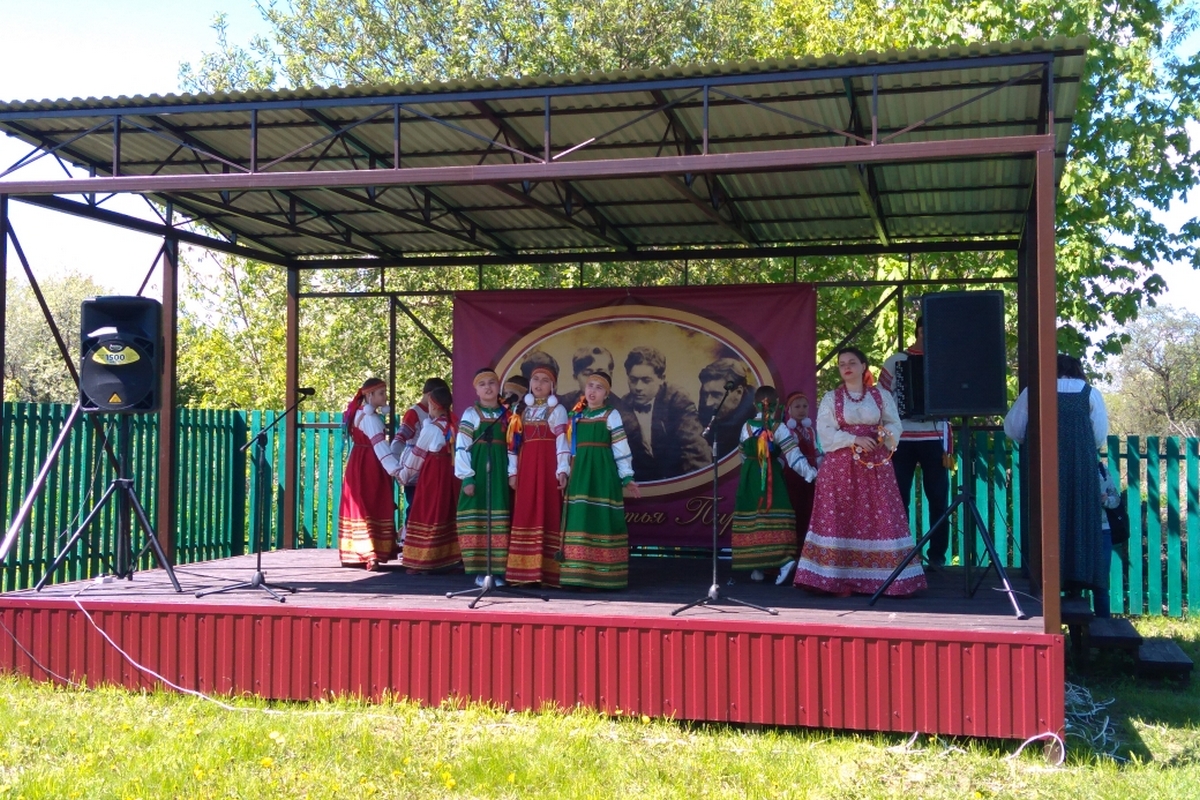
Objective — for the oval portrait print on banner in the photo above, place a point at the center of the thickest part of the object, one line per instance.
(670, 370)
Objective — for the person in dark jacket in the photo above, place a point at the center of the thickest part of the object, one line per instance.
(738, 406)
(669, 441)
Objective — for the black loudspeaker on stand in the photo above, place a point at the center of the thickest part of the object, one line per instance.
(489, 579)
(964, 376)
(120, 346)
(119, 372)
(259, 580)
(714, 590)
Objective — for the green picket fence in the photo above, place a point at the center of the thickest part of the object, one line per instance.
(1157, 573)
(229, 499)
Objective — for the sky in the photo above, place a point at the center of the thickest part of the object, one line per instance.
(98, 48)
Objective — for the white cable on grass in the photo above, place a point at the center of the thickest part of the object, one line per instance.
(201, 695)
(1048, 736)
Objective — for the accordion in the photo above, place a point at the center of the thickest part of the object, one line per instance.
(908, 387)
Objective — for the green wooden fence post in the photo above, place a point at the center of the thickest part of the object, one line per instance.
(1116, 567)
(1137, 548)
(1154, 537)
(307, 497)
(254, 532)
(322, 436)
(1192, 446)
(1000, 496)
(238, 475)
(1174, 551)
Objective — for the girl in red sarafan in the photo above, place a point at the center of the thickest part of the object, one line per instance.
(859, 531)
(538, 466)
(431, 543)
(367, 514)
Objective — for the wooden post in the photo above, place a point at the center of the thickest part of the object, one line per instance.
(1043, 395)
(168, 415)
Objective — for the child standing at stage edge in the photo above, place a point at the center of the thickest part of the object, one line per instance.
(595, 539)
(366, 516)
(481, 463)
(800, 491)
(431, 542)
(410, 428)
(538, 466)
(764, 523)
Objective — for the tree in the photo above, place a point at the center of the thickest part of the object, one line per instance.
(1156, 379)
(232, 335)
(1131, 153)
(34, 371)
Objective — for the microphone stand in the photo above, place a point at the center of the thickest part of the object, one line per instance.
(714, 591)
(489, 580)
(259, 580)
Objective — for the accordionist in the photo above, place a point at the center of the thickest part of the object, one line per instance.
(925, 442)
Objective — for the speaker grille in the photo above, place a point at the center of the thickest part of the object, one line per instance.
(965, 361)
(119, 365)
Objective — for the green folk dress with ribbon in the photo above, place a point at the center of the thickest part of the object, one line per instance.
(764, 523)
(595, 539)
(481, 433)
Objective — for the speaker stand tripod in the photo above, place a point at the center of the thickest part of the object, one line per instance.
(490, 586)
(258, 580)
(122, 489)
(966, 499)
(714, 590)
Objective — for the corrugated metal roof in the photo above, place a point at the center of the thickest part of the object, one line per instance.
(946, 95)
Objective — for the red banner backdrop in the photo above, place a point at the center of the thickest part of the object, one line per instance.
(671, 352)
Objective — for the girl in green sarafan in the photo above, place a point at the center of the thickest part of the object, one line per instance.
(481, 463)
(764, 524)
(595, 540)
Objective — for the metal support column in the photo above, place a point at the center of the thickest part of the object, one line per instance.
(393, 329)
(291, 425)
(1043, 396)
(168, 415)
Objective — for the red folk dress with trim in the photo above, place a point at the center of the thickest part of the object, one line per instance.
(431, 542)
(858, 532)
(536, 534)
(367, 511)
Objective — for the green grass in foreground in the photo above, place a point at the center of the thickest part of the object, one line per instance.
(57, 743)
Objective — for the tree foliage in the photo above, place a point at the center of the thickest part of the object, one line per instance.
(232, 335)
(1130, 154)
(1156, 378)
(34, 370)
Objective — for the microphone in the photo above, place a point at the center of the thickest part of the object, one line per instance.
(306, 391)
(730, 385)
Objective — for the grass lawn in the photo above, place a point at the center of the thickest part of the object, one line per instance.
(66, 743)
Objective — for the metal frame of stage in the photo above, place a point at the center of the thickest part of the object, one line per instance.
(376, 176)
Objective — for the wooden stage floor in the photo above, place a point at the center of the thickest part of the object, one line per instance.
(657, 585)
(940, 662)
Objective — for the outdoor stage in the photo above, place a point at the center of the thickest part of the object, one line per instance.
(939, 663)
